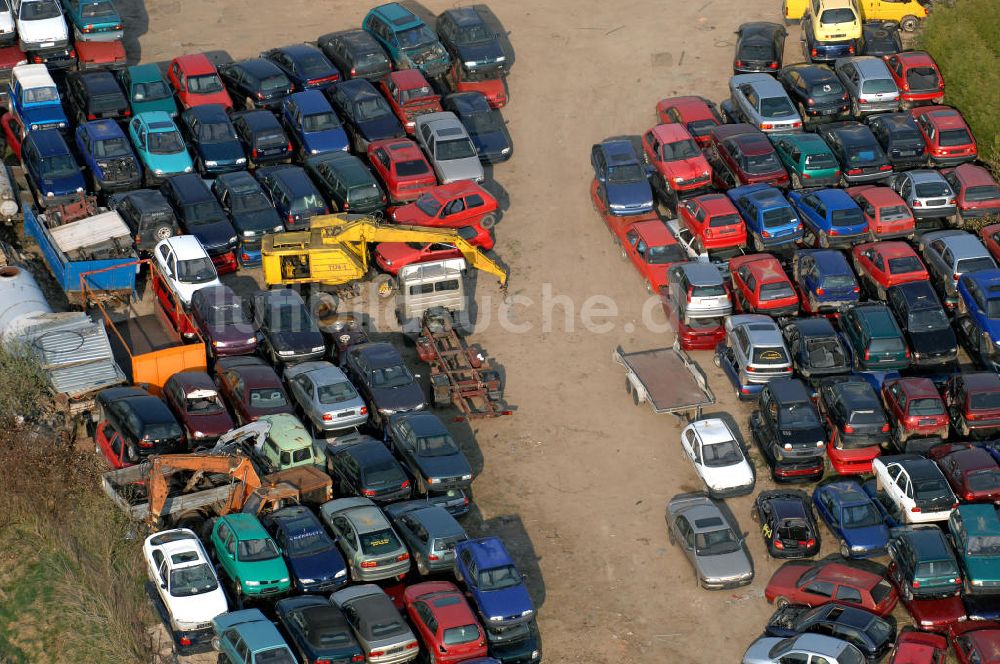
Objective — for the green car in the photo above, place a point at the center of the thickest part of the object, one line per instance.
(874, 337)
(809, 160)
(147, 90)
(287, 445)
(975, 533)
(923, 564)
(248, 556)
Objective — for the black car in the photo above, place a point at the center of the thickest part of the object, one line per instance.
(472, 37)
(317, 630)
(212, 137)
(346, 183)
(429, 452)
(356, 54)
(872, 635)
(144, 421)
(293, 194)
(379, 373)
(366, 114)
(788, 431)
(484, 123)
(759, 47)
(879, 38)
(853, 411)
(516, 644)
(816, 91)
(148, 215)
(367, 468)
(787, 523)
(899, 137)
(260, 82)
(94, 95)
(263, 138)
(250, 211)
(289, 334)
(199, 213)
(817, 350)
(924, 324)
(310, 553)
(306, 66)
(860, 156)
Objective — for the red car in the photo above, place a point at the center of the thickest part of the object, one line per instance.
(409, 94)
(693, 333)
(881, 265)
(915, 409)
(917, 76)
(651, 247)
(886, 212)
(494, 89)
(402, 168)
(251, 388)
(936, 615)
(697, 114)
(743, 155)
(196, 81)
(101, 55)
(919, 648)
(975, 642)
(680, 165)
(973, 401)
(445, 621)
(990, 235)
(455, 205)
(714, 222)
(13, 132)
(194, 399)
(976, 192)
(815, 584)
(948, 138)
(392, 256)
(762, 287)
(971, 471)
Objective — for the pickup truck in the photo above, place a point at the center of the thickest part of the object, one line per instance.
(34, 99)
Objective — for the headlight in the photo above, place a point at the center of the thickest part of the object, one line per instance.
(496, 618)
(249, 233)
(232, 239)
(307, 581)
(286, 353)
(241, 160)
(501, 58)
(420, 407)
(219, 344)
(535, 654)
(616, 206)
(505, 151)
(820, 443)
(467, 477)
(469, 63)
(62, 125)
(188, 169)
(284, 580)
(251, 340)
(340, 574)
(79, 190)
(434, 480)
(858, 547)
(278, 229)
(34, 127)
(527, 612)
(977, 582)
(388, 262)
(50, 194)
(211, 163)
(199, 434)
(387, 411)
(317, 349)
(157, 171)
(314, 151)
(251, 583)
(678, 180)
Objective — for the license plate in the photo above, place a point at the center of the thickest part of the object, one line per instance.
(48, 44)
(831, 111)
(926, 422)
(936, 201)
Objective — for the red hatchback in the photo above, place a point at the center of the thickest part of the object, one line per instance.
(885, 211)
(919, 648)
(976, 192)
(196, 81)
(680, 165)
(693, 333)
(948, 138)
(402, 168)
(976, 642)
(762, 287)
(936, 615)
(195, 402)
(815, 584)
(990, 235)
(697, 114)
(915, 409)
(391, 257)
(251, 388)
(455, 205)
(445, 622)
(881, 265)
(714, 222)
(744, 155)
(971, 471)
(409, 94)
(973, 401)
(651, 247)
(917, 76)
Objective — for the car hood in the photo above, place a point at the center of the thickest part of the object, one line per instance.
(454, 465)
(637, 195)
(724, 566)
(406, 397)
(301, 342)
(686, 169)
(802, 437)
(213, 234)
(869, 536)
(266, 219)
(385, 126)
(167, 105)
(330, 140)
(727, 477)
(483, 53)
(934, 341)
(62, 185)
(758, 652)
(410, 213)
(263, 570)
(460, 169)
(169, 163)
(213, 424)
(323, 565)
(232, 334)
(491, 143)
(43, 114)
(198, 608)
(44, 30)
(783, 581)
(396, 251)
(509, 602)
(228, 151)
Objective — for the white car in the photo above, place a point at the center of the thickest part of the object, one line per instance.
(718, 458)
(40, 24)
(185, 579)
(185, 265)
(916, 486)
(8, 32)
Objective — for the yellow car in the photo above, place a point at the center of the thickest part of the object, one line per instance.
(833, 20)
(908, 13)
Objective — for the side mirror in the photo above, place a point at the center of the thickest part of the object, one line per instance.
(163, 585)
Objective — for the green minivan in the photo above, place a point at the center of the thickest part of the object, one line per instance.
(288, 444)
(874, 337)
(248, 556)
(147, 90)
(809, 160)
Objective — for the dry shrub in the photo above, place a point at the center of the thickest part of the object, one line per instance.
(24, 388)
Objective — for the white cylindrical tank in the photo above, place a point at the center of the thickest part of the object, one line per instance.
(8, 202)
(20, 297)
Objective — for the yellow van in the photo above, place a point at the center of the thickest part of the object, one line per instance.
(908, 13)
(833, 20)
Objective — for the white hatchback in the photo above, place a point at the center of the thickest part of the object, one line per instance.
(718, 458)
(916, 486)
(185, 266)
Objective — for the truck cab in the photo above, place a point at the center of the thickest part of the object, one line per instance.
(34, 98)
(423, 286)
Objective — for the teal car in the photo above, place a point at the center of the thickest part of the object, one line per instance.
(160, 147)
(147, 90)
(809, 160)
(975, 533)
(248, 556)
(923, 564)
(408, 41)
(94, 20)
(248, 637)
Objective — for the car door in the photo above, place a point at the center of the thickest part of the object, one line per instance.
(691, 445)
(347, 539)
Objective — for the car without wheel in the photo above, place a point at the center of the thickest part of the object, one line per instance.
(852, 517)
(696, 114)
(857, 424)
(317, 630)
(949, 254)
(249, 636)
(185, 266)
(975, 536)
(311, 555)
(900, 138)
(817, 349)
(401, 168)
(874, 337)
(787, 523)
(384, 636)
(870, 634)
(973, 401)
(106, 152)
(761, 286)
(915, 410)
(887, 214)
(346, 183)
(824, 280)
(823, 582)
(407, 39)
(410, 95)
(787, 430)
(926, 192)
(869, 83)
(861, 157)
(430, 533)
(366, 538)
(445, 622)
(251, 388)
(710, 539)
(760, 101)
(916, 486)
(718, 458)
(194, 399)
(816, 91)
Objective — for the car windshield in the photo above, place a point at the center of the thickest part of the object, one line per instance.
(877, 86)
(60, 165)
(371, 108)
(625, 174)
(776, 291)
(336, 392)
(291, 317)
(932, 189)
(193, 580)
(379, 542)
(216, 132)
(416, 37)
(97, 10)
(665, 255)
(275, 82)
(926, 406)
(794, 529)
(202, 212)
(861, 516)
(255, 550)
(776, 107)
(721, 454)
(111, 147)
(955, 137)
(849, 217)
(987, 479)
(205, 84)
(413, 167)
(459, 148)
(433, 446)
(390, 377)
(984, 400)
(983, 545)
(797, 415)
(308, 543)
(685, 149)
(820, 160)
(716, 542)
(382, 473)
(762, 163)
(267, 397)
(152, 91)
(967, 265)
(457, 635)
(831, 16)
(250, 202)
(824, 353)
(203, 405)
(498, 578)
(985, 192)
(905, 264)
(40, 95)
(419, 92)
(429, 205)
(473, 34)
(894, 213)
(321, 122)
(39, 10)
(196, 270)
(165, 142)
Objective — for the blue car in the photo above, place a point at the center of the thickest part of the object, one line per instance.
(484, 123)
(825, 51)
(310, 553)
(831, 216)
(199, 214)
(160, 146)
(318, 630)
(34, 99)
(853, 518)
(250, 211)
(293, 194)
(979, 297)
(94, 20)
(249, 636)
(212, 138)
(52, 172)
(305, 65)
(824, 280)
(496, 586)
(770, 219)
(622, 178)
(312, 124)
(408, 41)
(106, 152)
(891, 515)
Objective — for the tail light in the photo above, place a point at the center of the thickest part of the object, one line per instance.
(854, 171)
(821, 291)
(907, 353)
(37, 59)
(291, 218)
(368, 564)
(848, 428)
(970, 496)
(885, 428)
(328, 417)
(87, 28)
(856, 289)
(773, 65)
(850, 49)
(810, 101)
(811, 543)
(796, 124)
(376, 653)
(185, 641)
(353, 71)
(833, 231)
(767, 125)
(778, 544)
(916, 584)
(405, 484)
(956, 276)
(364, 410)
(91, 116)
(260, 95)
(868, 354)
(765, 234)
(862, 101)
(368, 492)
(958, 579)
(751, 370)
(690, 291)
(940, 83)
(411, 646)
(915, 509)
(954, 506)
(402, 557)
(347, 205)
(738, 63)
(906, 87)
(253, 153)
(806, 176)
(812, 52)
(432, 557)
(885, 167)
(289, 147)
(127, 112)
(358, 658)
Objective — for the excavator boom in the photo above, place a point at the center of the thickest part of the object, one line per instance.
(244, 478)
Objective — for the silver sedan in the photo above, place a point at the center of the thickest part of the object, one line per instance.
(446, 142)
(926, 192)
(709, 536)
(327, 398)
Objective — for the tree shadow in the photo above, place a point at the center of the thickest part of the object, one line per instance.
(136, 21)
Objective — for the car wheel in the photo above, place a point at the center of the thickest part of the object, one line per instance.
(163, 232)
(758, 244)
(802, 112)
(422, 566)
(781, 601)
(909, 23)
(671, 536)
(855, 108)
(488, 222)
(248, 102)
(796, 181)
(845, 550)
(880, 292)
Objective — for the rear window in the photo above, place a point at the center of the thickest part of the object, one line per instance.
(727, 220)
(412, 167)
(955, 137)
(894, 213)
(881, 591)
(776, 291)
(866, 416)
(769, 356)
(364, 194)
(310, 202)
(905, 264)
(838, 281)
(700, 127)
(276, 82)
(833, 16)
(969, 265)
(827, 90)
(459, 635)
(922, 78)
(850, 217)
(927, 407)
(986, 192)
(378, 542)
(878, 86)
(270, 139)
(933, 189)
(983, 480)
(821, 160)
(765, 163)
(708, 291)
(887, 346)
(778, 217)
(109, 102)
(985, 401)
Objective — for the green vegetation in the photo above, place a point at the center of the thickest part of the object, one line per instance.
(962, 38)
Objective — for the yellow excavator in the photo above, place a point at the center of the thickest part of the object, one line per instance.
(335, 251)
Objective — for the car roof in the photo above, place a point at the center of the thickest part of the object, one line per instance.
(33, 76)
(671, 132)
(320, 372)
(157, 121)
(765, 197)
(259, 67)
(857, 394)
(423, 423)
(295, 519)
(701, 274)
(753, 145)
(717, 204)
(190, 187)
(368, 451)
(712, 430)
(357, 39)
(294, 179)
(916, 59)
(836, 199)
(829, 261)
(195, 63)
(208, 113)
(816, 326)
(979, 519)
(469, 102)
(763, 84)
(244, 525)
(349, 168)
(366, 518)
(789, 390)
(868, 66)
(896, 122)
(847, 492)
(178, 540)
(918, 295)
(239, 182)
(400, 17)
(943, 117)
(891, 249)
(145, 73)
(925, 175)
(655, 232)
(786, 505)
(408, 78)
(259, 119)
(310, 101)
(489, 552)
(189, 381)
(981, 380)
(437, 520)
(357, 88)
(916, 467)
(928, 542)
(963, 245)
(464, 16)
(880, 196)
(99, 82)
(813, 73)
(807, 141)
(725, 131)
(876, 315)
(972, 175)
(103, 129)
(49, 142)
(916, 387)
(186, 247)
(378, 354)
(297, 50)
(850, 131)
(987, 280)
(759, 27)
(764, 267)
(287, 431)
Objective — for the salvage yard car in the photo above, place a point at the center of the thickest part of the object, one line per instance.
(132, 424)
(428, 452)
(916, 486)
(816, 91)
(817, 349)
(50, 168)
(710, 539)
(288, 332)
(263, 139)
(384, 637)
(696, 114)
(830, 216)
(949, 254)
(448, 146)
(196, 81)
(857, 424)
(824, 280)
(371, 547)
(430, 533)
(869, 84)
(915, 409)
(770, 218)
(251, 388)
(248, 557)
(852, 518)
(759, 100)
(250, 636)
(760, 47)
(718, 458)
(356, 54)
(973, 401)
(760, 285)
(800, 648)
(787, 523)
(366, 114)
(107, 154)
(741, 154)
(874, 337)
(975, 536)
(788, 432)
(486, 126)
(366, 467)
(311, 555)
(382, 378)
(754, 353)
(305, 65)
(699, 290)
(899, 136)
(312, 124)
(324, 395)
(978, 194)
(213, 139)
(650, 245)
(496, 587)
(195, 401)
(317, 629)
(714, 222)
(972, 472)
(681, 168)
(201, 216)
(923, 564)
(819, 583)
(882, 265)
(808, 159)
(445, 621)
(885, 212)
(160, 146)
(926, 192)
(401, 168)
(407, 39)
(409, 94)
(861, 157)
(948, 138)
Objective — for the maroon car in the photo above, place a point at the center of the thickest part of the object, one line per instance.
(194, 399)
(815, 584)
(973, 401)
(976, 192)
(251, 388)
(915, 409)
(935, 615)
(975, 641)
(223, 321)
(971, 471)
(741, 154)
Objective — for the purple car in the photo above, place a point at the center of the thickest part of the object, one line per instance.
(223, 322)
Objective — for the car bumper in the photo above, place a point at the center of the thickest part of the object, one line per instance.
(340, 423)
(978, 213)
(868, 177)
(382, 572)
(878, 106)
(42, 47)
(827, 181)
(224, 167)
(233, 348)
(455, 502)
(789, 471)
(932, 359)
(391, 496)
(749, 391)
(727, 584)
(114, 186)
(851, 466)
(731, 492)
(302, 357)
(395, 657)
(906, 233)
(906, 163)
(875, 552)
(324, 586)
(101, 35)
(951, 161)
(928, 517)
(266, 591)
(224, 262)
(845, 240)
(193, 642)
(708, 312)
(934, 212)
(983, 425)
(780, 241)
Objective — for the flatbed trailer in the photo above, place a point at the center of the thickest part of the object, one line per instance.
(667, 379)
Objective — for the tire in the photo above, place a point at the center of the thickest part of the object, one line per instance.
(635, 397)
(880, 292)
(758, 244)
(855, 108)
(248, 102)
(796, 181)
(162, 232)
(781, 601)
(488, 222)
(909, 23)
(845, 550)
(670, 536)
(422, 567)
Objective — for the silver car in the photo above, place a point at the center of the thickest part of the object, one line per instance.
(756, 349)
(759, 99)
(948, 255)
(430, 532)
(371, 547)
(709, 536)
(869, 84)
(446, 142)
(327, 398)
(377, 624)
(800, 648)
(926, 192)
(699, 290)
